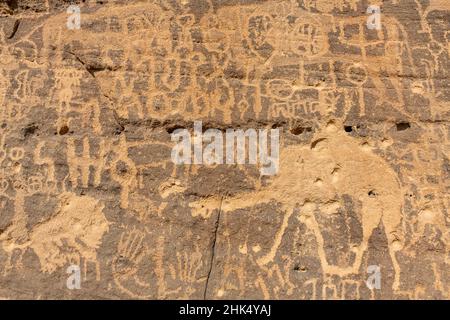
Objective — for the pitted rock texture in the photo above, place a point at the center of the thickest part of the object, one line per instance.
(87, 179)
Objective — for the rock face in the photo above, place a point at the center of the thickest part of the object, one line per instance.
(95, 95)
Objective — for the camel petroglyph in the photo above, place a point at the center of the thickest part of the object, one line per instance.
(313, 177)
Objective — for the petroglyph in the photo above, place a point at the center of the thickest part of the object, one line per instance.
(314, 178)
(78, 223)
(87, 118)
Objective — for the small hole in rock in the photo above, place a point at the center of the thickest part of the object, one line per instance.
(170, 130)
(403, 126)
(277, 125)
(30, 130)
(348, 128)
(300, 268)
(63, 130)
(372, 194)
(297, 131)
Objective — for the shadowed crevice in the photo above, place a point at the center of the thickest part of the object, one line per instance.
(213, 249)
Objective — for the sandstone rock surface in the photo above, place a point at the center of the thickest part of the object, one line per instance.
(87, 117)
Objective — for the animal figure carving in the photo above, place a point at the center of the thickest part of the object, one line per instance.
(312, 178)
(79, 222)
